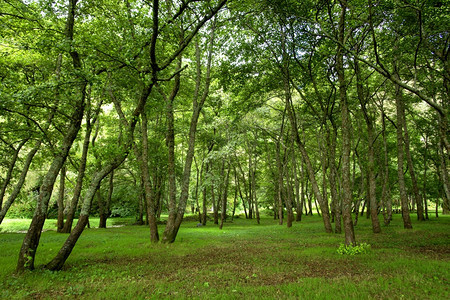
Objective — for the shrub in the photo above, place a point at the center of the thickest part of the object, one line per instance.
(353, 250)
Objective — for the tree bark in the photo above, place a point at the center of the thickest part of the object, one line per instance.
(335, 200)
(372, 200)
(225, 198)
(31, 240)
(10, 170)
(60, 200)
(58, 261)
(346, 133)
(21, 181)
(81, 169)
(174, 220)
(415, 185)
(385, 194)
(400, 158)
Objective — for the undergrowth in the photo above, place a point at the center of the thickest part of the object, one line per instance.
(243, 260)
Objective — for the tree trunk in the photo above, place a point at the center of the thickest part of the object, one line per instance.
(225, 198)
(174, 221)
(204, 215)
(60, 200)
(21, 181)
(81, 171)
(290, 215)
(386, 195)
(415, 185)
(335, 200)
(253, 187)
(307, 161)
(280, 182)
(424, 180)
(197, 179)
(235, 195)
(372, 196)
(298, 203)
(400, 148)
(31, 240)
(10, 170)
(346, 134)
(145, 174)
(444, 180)
(58, 261)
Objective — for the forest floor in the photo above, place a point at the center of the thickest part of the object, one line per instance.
(242, 261)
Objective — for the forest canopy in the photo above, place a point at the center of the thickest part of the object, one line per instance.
(218, 108)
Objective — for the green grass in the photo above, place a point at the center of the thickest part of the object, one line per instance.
(242, 261)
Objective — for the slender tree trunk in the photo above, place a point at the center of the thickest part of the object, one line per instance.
(204, 217)
(219, 195)
(81, 169)
(386, 197)
(400, 158)
(290, 215)
(308, 164)
(298, 203)
(415, 185)
(346, 133)
(244, 183)
(444, 179)
(225, 198)
(60, 200)
(238, 182)
(58, 261)
(10, 170)
(253, 185)
(173, 224)
(372, 197)
(21, 181)
(31, 240)
(109, 196)
(302, 189)
(235, 195)
(424, 180)
(197, 179)
(335, 200)
(280, 183)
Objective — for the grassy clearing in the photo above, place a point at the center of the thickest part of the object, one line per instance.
(243, 260)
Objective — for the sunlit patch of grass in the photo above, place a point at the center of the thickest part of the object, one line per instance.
(244, 260)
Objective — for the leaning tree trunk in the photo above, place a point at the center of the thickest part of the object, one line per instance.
(58, 261)
(81, 169)
(10, 170)
(31, 240)
(21, 181)
(310, 171)
(309, 168)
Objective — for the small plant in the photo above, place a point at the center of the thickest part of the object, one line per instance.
(353, 250)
